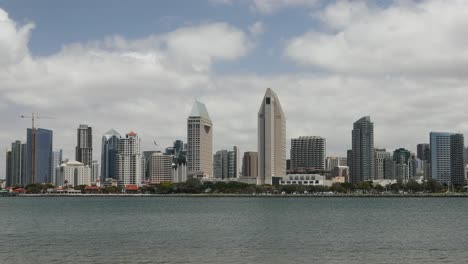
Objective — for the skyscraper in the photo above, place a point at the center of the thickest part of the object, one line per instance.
(447, 157)
(225, 164)
(466, 155)
(95, 177)
(84, 146)
(8, 173)
(16, 164)
(380, 156)
(109, 150)
(39, 156)
(199, 142)
(146, 163)
(250, 164)
(423, 151)
(363, 163)
(271, 139)
(332, 162)
(129, 160)
(308, 153)
(160, 168)
(457, 166)
(57, 160)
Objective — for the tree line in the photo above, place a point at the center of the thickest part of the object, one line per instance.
(195, 186)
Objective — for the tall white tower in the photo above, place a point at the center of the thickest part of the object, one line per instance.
(199, 142)
(271, 139)
(129, 160)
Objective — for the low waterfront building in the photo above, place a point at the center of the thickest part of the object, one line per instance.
(303, 179)
(73, 173)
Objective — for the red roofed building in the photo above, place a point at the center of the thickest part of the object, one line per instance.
(131, 134)
(131, 188)
(92, 189)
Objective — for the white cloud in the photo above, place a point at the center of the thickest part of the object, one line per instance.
(146, 85)
(429, 37)
(271, 6)
(13, 40)
(257, 28)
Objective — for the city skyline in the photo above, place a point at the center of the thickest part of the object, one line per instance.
(151, 71)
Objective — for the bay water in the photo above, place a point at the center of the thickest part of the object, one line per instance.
(233, 230)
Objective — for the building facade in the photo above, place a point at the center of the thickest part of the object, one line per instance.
(39, 156)
(160, 168)
(363, 162)
(250, 164)
(457, 159)
(15, 164)
(109, 151)
(332, 162)
(226, 164)
(129, 160)
(423, 151)
(57, 160)
(447, 157)
(380, 156)
(199, 142)
(95, 172)
(271, 139)
(84, 146)
(72, 173)
(308, 153)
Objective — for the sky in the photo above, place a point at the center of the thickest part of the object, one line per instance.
(139, 66)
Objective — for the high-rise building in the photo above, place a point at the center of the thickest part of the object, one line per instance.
(308, 153)
(146, 163)
(446, 157)
(457, 162)
(363, 163)
(349, 160)
(84, 146)
(332, 162)
(403, 164)
(109, 151)
(199, 142)
(389, 168)
(380, 156)
(95, 172)
(225, 164)
(423, 151)
(271, 139)
(8, 172)
(250, 164)
(466, 155)
(160, 168)
(129, 160)
(179, 172)
(72, 173)
(16, 163)
(57, 160)
(39, 156)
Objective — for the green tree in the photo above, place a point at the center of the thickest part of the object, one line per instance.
(81, 188)
(433, 186)
(413, 186)
(192, 185)
(378, 188)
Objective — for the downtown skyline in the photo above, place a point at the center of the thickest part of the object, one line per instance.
(405, 103)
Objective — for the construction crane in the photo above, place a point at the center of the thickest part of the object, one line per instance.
(33, 117)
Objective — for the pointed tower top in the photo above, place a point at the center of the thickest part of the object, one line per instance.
(111, 133)
(199, 110)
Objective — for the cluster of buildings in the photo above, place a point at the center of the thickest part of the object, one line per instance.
(123, 163)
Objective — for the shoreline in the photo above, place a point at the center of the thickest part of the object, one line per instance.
(422, 195)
